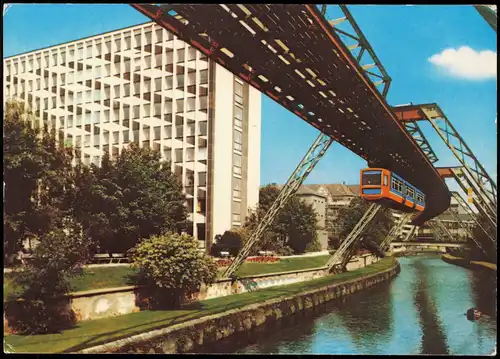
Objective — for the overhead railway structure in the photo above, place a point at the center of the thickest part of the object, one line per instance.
(292, 54)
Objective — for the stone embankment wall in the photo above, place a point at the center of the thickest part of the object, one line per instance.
(184, 337)
(111, 302)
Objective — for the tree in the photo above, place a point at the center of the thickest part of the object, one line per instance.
(294, 228)
(378, 228)
(23, 166)
(173, 264)
(131, 198)
(38, 176)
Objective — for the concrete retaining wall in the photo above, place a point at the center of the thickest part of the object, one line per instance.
(110, 302)
(184, 337)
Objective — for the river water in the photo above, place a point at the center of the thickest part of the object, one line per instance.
(421, 311)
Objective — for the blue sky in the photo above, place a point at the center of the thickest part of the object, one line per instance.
(404, 38)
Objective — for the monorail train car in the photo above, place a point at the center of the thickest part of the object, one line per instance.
(390, 190)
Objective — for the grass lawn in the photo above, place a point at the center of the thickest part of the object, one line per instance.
(94, 332)
(93, 278)
(109, 277)
(284, 265)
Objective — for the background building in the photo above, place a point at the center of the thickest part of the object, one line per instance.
(143, 84)
(338, 197)
(318, 202)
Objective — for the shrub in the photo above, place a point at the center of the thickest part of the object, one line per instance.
(230, 241)
(173, 265)
(285, 251)
(36, 307)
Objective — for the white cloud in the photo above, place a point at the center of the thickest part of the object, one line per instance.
(467, 63)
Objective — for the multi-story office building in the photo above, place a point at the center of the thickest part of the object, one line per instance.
(143, 84)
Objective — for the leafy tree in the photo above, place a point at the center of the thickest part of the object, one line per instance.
(379, 227)
(131, 198)
(38, 176)
(294, 227)
(173, 264)
(23, 166)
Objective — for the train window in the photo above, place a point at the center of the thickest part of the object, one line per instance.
(410, 192)
(385, 180)
(396, 184)
(372, 178)
(420, 197)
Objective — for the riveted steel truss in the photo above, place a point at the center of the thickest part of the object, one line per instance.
(440, 231)
(395, 230)
(472, 214)
(305, 167)
(479, 202)
(417, 134)
(468, 231)
(457, 145)
(291, 54)
(352, 36)
(353, 237)
(410, 234)
(489, 13)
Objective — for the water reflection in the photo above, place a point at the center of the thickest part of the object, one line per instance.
(421, 311)
(433, 337)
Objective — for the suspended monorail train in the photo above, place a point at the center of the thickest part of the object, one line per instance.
(390, 190)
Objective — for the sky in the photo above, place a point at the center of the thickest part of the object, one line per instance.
(444, 54)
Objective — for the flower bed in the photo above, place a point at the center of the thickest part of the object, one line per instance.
(263, 259)
(223, 262)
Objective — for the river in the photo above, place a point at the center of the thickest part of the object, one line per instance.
(421, 311)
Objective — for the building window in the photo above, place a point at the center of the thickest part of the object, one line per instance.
(237, 163)
(236, 188)
(238, 117)
(238, 140)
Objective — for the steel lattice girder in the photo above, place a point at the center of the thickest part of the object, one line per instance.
(444, 128)
(410, 234)
(489, 13)
(439, 232)
(414, 130)
(471, 213)
(291, 54)
(395, 230)
(464, 182)
(363, 45)
(305, 167)
(354, 236)
(443, 229)
(468, 231)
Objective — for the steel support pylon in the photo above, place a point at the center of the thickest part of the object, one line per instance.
(464, 182)
(411, 233)
(354, 236)
(361, 45)
(441, 230)
(471, 213)
(395, 230)
(305, 167)
(467, 231)
(462, 152)
(414, 130)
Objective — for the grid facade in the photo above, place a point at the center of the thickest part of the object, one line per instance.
(140, 84)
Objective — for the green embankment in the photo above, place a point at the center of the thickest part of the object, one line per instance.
(110, 277)
(94, 332)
